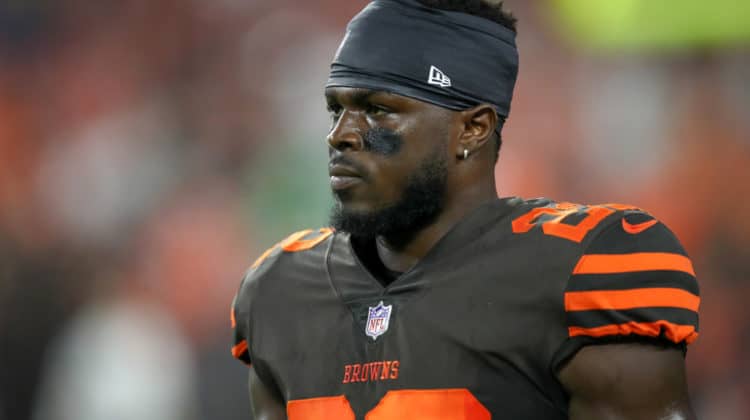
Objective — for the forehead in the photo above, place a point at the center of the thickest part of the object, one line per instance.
(352, 95)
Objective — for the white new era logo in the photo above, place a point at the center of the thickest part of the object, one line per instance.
(438, 78)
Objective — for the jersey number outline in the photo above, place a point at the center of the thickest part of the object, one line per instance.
(295, 243)
(413, 404)
(554, 227)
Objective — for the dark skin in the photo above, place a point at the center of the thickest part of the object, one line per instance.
(613, 381)
(357, 111)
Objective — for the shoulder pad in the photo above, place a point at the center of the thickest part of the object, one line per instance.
(296, 242)
(241, 309)
(633, 279)
(565, 220)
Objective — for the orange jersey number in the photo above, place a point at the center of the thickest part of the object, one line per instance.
(413, 404)
(553, 224)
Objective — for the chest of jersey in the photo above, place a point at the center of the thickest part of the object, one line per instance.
(471, 332)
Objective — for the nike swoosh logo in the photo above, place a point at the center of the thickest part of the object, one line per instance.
(640, 227)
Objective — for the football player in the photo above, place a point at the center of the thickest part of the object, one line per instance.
(431, 298)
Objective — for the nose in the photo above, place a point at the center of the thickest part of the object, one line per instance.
(346, 133)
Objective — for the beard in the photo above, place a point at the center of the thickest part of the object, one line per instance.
(422, 200)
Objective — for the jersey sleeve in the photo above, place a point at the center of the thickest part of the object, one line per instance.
(242, 314)
(240, 330)
(634, 282)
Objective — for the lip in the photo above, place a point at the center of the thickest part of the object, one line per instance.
(343, 171)
(343, 182)
(343, 177)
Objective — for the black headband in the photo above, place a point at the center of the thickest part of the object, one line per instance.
(450, 59)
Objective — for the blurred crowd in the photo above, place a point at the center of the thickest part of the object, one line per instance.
(149, 150)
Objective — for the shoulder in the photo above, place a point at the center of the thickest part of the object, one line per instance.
(295, 253)
(633, 281)
(572, 222)
(305, 241)
(595, 228)
(633, 250)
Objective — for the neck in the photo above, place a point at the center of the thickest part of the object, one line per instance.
(401, 252)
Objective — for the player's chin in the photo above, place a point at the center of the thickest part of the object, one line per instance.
(354, 201)
(348, 202)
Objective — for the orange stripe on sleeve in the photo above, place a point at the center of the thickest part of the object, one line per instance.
(629, 299)
(304, 244)
(286, 242)
(674, 332)
(240, 348)
(294, 237)
(262, 257)
(639, 261)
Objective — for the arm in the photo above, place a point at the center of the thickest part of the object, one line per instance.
(263, 401)
(631, 307)
(266, 399)
(627, 381)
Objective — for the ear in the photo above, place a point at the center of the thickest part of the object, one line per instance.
(479, 123)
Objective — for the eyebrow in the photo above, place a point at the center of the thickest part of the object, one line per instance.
(358, 96)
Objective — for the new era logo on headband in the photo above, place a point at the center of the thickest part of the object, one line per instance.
(438, 78)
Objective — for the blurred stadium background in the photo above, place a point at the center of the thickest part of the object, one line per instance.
(149, 150)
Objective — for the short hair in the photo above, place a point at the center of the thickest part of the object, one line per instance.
(492, 10)
(488, 9)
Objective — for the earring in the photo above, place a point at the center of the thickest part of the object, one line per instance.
(466, 153)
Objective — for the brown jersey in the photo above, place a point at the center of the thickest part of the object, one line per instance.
(477, 329)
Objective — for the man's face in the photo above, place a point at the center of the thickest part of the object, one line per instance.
(388, 161)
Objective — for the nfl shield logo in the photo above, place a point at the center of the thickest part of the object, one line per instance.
(377, 320)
